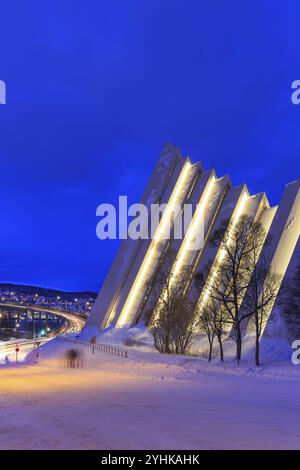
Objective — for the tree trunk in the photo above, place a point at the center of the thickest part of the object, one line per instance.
(210, 351)
(221, 348)
(238, 343)
(257, 335)
(257, 350)
(167, 344)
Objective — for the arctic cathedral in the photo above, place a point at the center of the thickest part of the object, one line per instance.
(124, 298)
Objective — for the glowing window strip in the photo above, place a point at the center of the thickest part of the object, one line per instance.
(192, 228)
(222, 252)
(156, 239)
(189, 237)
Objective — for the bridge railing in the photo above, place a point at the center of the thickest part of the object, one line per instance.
(98, 346)
(9, 344)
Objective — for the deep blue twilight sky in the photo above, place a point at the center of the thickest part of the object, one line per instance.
(94, 90)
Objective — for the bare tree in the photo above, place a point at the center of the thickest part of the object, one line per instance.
(260, 296)
(206, 324)
(220, 321)
(229, 277)
(172, 324)
(211, 318)
(184, 329)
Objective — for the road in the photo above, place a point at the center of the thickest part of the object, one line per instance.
(143, 402)
(74, 324)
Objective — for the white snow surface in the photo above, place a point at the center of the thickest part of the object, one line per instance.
(272, 351)
(147, 401)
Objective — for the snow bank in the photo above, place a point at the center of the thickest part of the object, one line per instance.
(275, 354)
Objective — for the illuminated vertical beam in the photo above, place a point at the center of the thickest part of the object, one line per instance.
(221, 253)
(197, 219)
(188, 239)
(125, 316)
(265, 219)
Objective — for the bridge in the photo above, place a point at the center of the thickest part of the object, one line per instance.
(74, 324)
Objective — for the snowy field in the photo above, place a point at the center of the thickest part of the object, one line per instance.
(146, 402)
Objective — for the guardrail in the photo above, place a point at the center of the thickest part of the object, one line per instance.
(98, 346)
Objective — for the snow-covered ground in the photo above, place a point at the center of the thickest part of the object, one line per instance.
(275, 354)
(147, 401)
